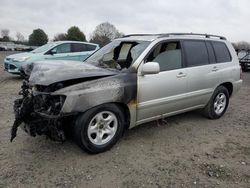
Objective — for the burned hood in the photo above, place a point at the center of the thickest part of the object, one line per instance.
(49, 72)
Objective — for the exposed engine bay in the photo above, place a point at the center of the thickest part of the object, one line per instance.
(39, 112)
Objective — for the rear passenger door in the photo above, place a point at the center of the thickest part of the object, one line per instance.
(223, 60)
(202, 71)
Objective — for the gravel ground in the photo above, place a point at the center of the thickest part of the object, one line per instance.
(188, 151)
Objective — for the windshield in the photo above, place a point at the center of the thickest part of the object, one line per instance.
(118, 54)
(43, 48)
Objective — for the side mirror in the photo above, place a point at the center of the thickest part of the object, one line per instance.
(150, 68)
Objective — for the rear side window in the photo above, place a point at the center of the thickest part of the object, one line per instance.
(78, 47)
(221, 52)
(82, 47)
(196, 53)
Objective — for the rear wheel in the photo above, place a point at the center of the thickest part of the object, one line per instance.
(218, 103)
(98, 129)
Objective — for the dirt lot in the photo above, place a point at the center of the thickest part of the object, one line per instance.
(188, 151)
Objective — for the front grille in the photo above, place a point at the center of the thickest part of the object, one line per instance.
(12, 67)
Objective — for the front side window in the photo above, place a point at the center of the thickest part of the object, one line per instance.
(196, 53)
(63, 48)
(221, 52)
(168, 55)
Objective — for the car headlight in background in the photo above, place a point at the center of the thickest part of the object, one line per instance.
(21, 59)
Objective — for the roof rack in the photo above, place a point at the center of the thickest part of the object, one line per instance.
(192, 34)
(179, 34)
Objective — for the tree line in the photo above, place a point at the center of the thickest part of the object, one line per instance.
(102, 35)
(241, 46)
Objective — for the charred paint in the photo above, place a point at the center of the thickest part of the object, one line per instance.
(48, 108)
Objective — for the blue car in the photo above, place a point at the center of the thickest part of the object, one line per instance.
(61, 50)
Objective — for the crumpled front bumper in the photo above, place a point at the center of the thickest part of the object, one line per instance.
(35, 116)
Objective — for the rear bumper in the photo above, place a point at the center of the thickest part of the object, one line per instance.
(236, 86)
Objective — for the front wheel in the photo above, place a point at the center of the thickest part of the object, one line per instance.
(218, 103)
(98, 129)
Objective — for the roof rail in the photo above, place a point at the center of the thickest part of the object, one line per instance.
(190, 34)
(130, 35)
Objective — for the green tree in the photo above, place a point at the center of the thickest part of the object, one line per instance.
(75, 34)
(38, 37)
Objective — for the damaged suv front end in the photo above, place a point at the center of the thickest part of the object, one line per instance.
(41, 110)
(56, 92)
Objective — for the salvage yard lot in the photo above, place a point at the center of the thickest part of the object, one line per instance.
(187, 151)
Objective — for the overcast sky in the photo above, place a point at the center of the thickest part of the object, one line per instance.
(223, 17)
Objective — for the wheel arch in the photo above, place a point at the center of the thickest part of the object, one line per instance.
(124, 107)
(229, 87)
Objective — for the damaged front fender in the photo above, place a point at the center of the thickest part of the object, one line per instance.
(120, 88)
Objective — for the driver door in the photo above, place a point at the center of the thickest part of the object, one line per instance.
(163, 93)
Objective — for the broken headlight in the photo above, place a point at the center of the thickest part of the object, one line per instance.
(48, 104)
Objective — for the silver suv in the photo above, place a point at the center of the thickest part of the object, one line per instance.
(130, 81)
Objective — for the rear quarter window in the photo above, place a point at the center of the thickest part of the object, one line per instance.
(91, 47)
(221, 52)
(77, 47)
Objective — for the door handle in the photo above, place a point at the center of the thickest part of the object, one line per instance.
(181, 75)
(215, 68)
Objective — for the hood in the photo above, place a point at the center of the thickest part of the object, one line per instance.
(49, 72)
(20, 55)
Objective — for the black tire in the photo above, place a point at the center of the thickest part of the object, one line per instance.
(209, 110)
(83, 122)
